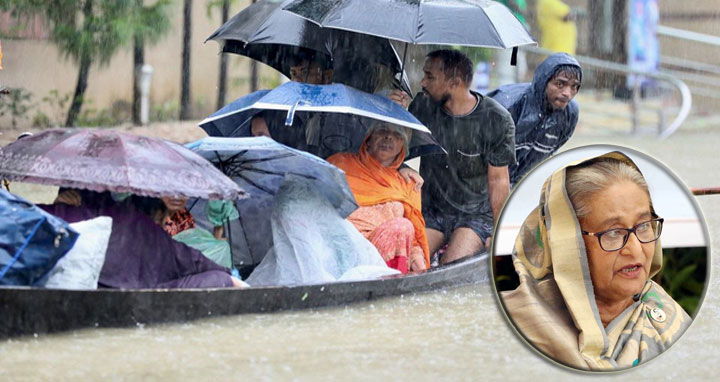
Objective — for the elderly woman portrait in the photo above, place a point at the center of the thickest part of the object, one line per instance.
(585, 257)
(390, 214)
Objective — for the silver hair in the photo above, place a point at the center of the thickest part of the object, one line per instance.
(585, 181)
(403, 131)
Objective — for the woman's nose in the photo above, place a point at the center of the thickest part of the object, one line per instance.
(633, 246)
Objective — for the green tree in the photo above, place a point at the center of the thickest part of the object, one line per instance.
(88, 32)
(92, 31)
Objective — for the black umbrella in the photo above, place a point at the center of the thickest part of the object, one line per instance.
(266, 33)
(261, 165)
(480, 23)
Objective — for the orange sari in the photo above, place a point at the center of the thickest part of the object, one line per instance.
(372, 183)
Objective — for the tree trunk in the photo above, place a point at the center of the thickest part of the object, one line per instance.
(138, 62)
(80, 88)
(83, 72)
(222, 81)
(185, 80)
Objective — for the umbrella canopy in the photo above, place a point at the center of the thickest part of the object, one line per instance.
(265, 32)
(260, 165)
(294, 98)
(107, 160)
(480, 23)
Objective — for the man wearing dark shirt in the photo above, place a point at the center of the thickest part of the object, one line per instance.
(465, 190)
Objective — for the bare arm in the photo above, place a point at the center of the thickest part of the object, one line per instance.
(499, 188)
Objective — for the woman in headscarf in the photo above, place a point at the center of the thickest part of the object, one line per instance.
(585, 257)
(390, 214)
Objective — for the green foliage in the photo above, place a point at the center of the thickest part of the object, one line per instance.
(684, 276)
(151, 22)
(91, 117)
(212, 5)
(94, 117)
(57, 103)
(17, 104)
(92, 31)
(166, 111)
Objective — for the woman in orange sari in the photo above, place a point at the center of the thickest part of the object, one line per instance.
(390, 214)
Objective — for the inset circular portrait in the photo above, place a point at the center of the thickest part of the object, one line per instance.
(601, 258)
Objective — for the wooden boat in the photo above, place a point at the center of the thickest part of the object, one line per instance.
(29, 311)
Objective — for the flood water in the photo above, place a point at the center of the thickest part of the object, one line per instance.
(456, 334)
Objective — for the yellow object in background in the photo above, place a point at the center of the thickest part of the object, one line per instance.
(558, 31)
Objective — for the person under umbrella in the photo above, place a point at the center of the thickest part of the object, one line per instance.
(390, 209)
(308, 134)
(260, 165)
(140, 254)
(343, 115)
(306, 67)
(265, 32)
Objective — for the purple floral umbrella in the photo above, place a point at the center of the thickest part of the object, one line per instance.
(107, 160)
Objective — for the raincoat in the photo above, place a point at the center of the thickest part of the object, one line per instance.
(554, 306)
(538, 134)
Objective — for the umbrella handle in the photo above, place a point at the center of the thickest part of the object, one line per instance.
(291, 113)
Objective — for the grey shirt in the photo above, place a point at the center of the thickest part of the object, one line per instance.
(458, 183)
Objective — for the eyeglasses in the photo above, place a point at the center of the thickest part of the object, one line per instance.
(616, 238)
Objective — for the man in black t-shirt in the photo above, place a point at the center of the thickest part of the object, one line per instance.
(464, 190)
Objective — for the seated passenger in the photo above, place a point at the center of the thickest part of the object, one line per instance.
(307, 68)
(168, 212)
(141, 255)
(390, 210)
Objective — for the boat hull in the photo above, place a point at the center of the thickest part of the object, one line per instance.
(30, 311)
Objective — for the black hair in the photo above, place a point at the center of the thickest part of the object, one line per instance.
(323, 61)
(455, 64)
(572, 71)
(148, 205)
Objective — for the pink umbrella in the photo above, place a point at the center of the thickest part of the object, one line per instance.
(107, 160)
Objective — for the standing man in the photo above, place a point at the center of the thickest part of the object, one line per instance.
(466, 189)
(556, 21)
(544, 111)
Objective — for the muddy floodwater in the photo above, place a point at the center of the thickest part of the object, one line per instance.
(456, 334)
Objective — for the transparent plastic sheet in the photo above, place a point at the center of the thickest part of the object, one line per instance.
(204, 241)
(313, 244)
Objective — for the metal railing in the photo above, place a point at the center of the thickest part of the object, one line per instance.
(704, 78)
(609, 66)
